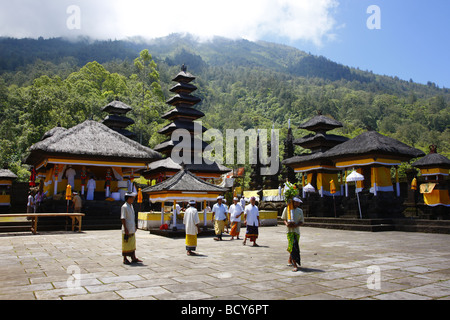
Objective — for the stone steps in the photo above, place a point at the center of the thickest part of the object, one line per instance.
(371, 225)
(377, 225)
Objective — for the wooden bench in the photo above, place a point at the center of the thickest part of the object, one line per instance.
(76, 218)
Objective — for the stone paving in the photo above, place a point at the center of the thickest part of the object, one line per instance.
(337, 265)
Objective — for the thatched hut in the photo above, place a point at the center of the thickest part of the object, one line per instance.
(315, 166)
(182, 187)
(373, 154)
(6, 179)
(435, 189)
(89, 149)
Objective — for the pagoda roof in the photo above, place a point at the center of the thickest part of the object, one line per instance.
(117, 107)
(52, 132)
(168, 164)
(183, 87)
(435, 160)
(321, 123)
(304, 158)
(114, 120)
(372, 142)
(182, 98)
(168, 145)
(184, 180)
(320, 139)
(179, 124)
(184, 77)
(180, 111)
(91, 139)
(7, 174)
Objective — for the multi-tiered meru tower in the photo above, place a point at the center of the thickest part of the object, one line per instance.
(182, 118)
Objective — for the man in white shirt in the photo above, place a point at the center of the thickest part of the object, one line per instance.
(251, 214)
(235, 212)
(219, 216)
(191, 222)
(70, 174)
(128, 219)
(91, 185)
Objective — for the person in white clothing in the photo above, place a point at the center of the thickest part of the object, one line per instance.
(191, 222)
(219, 216)
(251, 214)
(128, 218)
(70, 175)
(91, 185)
(235, 212)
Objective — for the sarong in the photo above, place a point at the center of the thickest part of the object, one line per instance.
(128, 246)
(235, 229)
(252, 233)
(219, 226)
(191, 242)
(293, 246)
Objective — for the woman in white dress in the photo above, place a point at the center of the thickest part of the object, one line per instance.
(91, 185)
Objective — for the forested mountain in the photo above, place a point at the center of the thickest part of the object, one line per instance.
(243, 84)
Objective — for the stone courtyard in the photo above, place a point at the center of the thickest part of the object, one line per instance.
(336, 265)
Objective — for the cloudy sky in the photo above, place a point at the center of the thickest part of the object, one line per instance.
(404, 38)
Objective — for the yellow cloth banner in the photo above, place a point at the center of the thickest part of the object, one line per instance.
(323, 180)
(270, 193)
(427, 187)
(437, 197)
(434, 171)
(381, 176)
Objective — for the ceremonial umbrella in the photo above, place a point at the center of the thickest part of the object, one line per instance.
(355, 176)
(309, 188)
(139, 198)
(333, 191)
(68, 195)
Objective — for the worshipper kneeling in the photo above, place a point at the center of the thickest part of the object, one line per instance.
(191, 222)
(127, 217)
(293, 233)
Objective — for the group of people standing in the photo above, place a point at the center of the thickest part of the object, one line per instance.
(220, 213)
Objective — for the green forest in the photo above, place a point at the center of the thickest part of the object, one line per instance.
(49, 82)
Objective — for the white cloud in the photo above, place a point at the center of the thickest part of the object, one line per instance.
(251, 19)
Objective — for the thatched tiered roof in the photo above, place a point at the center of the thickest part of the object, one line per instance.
(117, 119)
(6, 174)
(91, 139)
(372, 142)
(182, 116)
(184, 181)
(117, 107)
(433, 160)
(321, 123)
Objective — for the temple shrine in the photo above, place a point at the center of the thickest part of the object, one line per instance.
(6, 180)
(182, 117)
(434, 188)
(96, 161)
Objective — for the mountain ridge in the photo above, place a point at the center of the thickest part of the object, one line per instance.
(16, 54)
